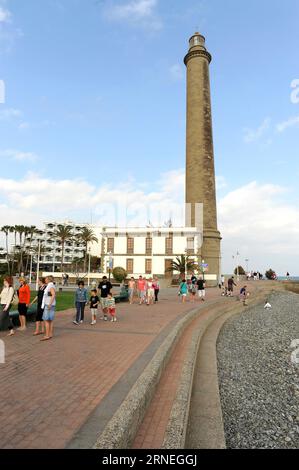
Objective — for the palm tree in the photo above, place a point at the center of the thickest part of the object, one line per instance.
(63, 234)
(87, 236)
(30, 232)
(182, 264)
(6, 231)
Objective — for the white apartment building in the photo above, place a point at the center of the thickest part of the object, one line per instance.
(52, 250)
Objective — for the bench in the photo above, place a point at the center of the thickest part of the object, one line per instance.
(123, 296)
(31, 314)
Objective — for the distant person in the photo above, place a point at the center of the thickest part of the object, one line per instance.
(48, 305)
(222, 280)
(24, 301)
(94, 303)
(105, 288)
(81, 301)
(230, 286)
(201, 287)
(111, 307)
(193, 288)
(6, 299)
(243, 294)
(156, 285)
(39, 323)
(183, 290)
(141, 287)
(131, 290)
(268, 306)
(150, 292)
(288, 276)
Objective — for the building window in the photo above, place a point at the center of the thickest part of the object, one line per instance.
(149, 246)
(130, 266)
(110, 245)
(130, 246)
(169, 246)
(190, 246)
(148, 266)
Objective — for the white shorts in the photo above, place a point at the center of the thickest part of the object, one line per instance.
(201, 293)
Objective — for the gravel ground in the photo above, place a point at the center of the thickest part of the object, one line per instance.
(259, 384)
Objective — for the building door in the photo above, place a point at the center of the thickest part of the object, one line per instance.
(168, 274)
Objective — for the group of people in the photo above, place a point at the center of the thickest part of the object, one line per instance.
(255, 276)
(101, 297)
(194, 287)
(147, 290)
(46, 303)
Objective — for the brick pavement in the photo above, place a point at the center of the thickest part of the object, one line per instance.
(49, 390)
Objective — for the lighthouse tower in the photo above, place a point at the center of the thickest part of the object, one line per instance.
(200, 169)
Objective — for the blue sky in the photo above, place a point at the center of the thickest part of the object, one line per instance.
(96, 90)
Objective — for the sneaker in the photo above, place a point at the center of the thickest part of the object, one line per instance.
(114, 319)
(93, 322)
(75, 322)
(105, 319)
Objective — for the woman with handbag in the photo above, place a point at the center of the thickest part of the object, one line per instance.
(6, 300)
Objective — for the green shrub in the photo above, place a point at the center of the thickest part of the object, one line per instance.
(119, 274)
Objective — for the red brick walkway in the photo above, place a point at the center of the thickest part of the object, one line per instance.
(49, 389)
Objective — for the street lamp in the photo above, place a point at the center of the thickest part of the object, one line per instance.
(110, 264)
(38, 263)
(88, 274)
(30, 274)
(247, 266)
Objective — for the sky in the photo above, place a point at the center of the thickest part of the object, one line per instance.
(93, 116)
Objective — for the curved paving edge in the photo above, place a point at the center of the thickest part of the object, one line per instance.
(121, 429)
(207, 414)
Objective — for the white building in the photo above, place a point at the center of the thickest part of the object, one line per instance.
(148, 251)
(51, 253)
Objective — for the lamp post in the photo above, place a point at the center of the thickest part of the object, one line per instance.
(88, 274)
(110, 264)
(186, 252)
(247, 265)
(30, 274)
(38, 263)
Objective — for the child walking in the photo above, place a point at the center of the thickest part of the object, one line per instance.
(183, 290)
(111, 307)
(94, 303)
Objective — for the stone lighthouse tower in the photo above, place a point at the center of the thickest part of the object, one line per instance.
(200, 170)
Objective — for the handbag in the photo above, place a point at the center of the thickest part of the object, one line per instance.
(15, 300)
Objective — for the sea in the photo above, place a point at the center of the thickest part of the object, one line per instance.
(291, 278)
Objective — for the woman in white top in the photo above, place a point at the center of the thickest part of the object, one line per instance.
(6, 298)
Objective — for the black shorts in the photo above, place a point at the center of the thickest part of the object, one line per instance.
(22, 309)
(39, 314)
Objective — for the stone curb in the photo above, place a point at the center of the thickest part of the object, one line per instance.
(175, 435)
(123, 426)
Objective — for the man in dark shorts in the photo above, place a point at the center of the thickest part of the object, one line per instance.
(230, 284)
(105, 288)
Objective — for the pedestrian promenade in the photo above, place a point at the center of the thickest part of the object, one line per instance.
(50, 390)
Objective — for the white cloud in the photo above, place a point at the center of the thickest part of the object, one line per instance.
(9, 114)
(138, 12)
(5, 15)
(17, 155)
(251, 135)
(292, 122)
(253, 219)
